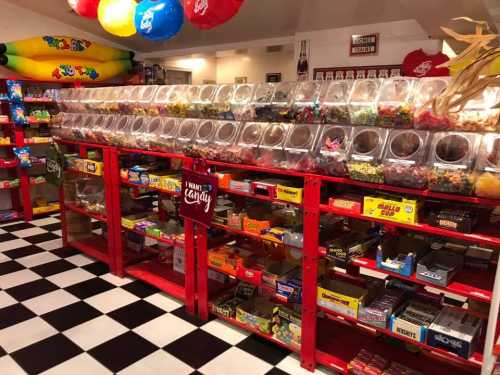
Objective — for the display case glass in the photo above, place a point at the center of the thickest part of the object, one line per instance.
(363, 102)
(282, 103)
(171, 100)
(161, 133)
(427, 89)
(261, 101)
(207, 96)
(395, 102)
(271, 148)
(331, 149)
(193, 109)
(224, 143)
(334, 102)
(222, 102)
(185, 135)
(479, 114)
(306, 109)
(488, 167)
(202, 143)
(240, 103)
(299, 147)
(249, 141)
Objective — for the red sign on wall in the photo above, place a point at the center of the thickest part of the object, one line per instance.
(364, 45)
(199, 196)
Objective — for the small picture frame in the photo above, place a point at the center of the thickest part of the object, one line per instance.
(240, 80)
(273, 77)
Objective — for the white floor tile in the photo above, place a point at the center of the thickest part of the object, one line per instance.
(159, 362)
(50, 301)
(115, 280)
(29, 232)
(11, 223)
(235, 361)
(37, 259)
(6, 300)
(2, 231)
(57, 232)
(70, 277)
(82, 364)
(9, 367)
(291, 365)
(44, 221)
(164, 302)
(13, 244)
(164, 329)
(80, 260)
(26, 333)
(111, 300)
(95, 332)
(4, 258)
(225, 331)
(50, 245)
(17, 278)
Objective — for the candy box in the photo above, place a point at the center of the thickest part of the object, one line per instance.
(349, 246)
(129, 221)
(250, 273)
(402, 211)
(457, 220)
(478, 257)
(341, 297)
(412, 319)
(287, 325)
(226, 304)
(155, 179)
(349, 202)
(400, 254)
(438, 267)
(256, 313)
(171, 183)
(240, 185)
(255, 226)
(94, 167)
(289, 288)
(227, 259)
(378, 311)
(266, 187)
(289, 193)
(276, 270)
(225, 177)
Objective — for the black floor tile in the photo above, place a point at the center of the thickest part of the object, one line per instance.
(140, 289)
(23, 251)
(14, 314)
(7, 237)
(89, 288)
(136, 313)
(2, 352)
(32, 289)
(122, 351)
(263, 349)
(97, 268)
(70, 316)
(46, 354)
(19, 226)
(10, 266)
(51, 227)
(193, 319)
(58, 266)
(276, 371)
(197, 348)
(65, 252)
(41, 238)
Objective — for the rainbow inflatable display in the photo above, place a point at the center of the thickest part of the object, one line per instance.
(64, 59)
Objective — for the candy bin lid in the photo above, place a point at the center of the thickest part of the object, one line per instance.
(489, 155)
(108, 127)
(428, 88)
(307, 92)
(115, 95)
(162, 94)
(193, 94)
(251, 134)
(301, 137)
(243, 94)
(336, 92)
(334, 139)
(148, 93)
(274, 136)
(206, 131)
(168, 127)
(284, 93)
(227, 132)
(187, 129)
(407, 146)
(365, 91)
(224, 94)
(102, 94)
(367, 144)
(207, 93)
(397, 90)
(454, 150)
(120, 130)
(134, 94)
(138, 129)
(264, 93)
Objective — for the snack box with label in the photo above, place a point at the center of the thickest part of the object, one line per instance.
(438, 267)
(130, 221)
(289, 288)
(378, 312)
(289, 193)
(94, 167)
(350, 245)
(255, 226)
(227, 259)
(156, 177)
(225, 177)
(349, 202)
(276, 270)
(250, 273)
(172, 183)
(463, 221)
(240, 185)
(455, 331)
(399, 210)
(478, 257)
(256, 313)
(413, 318)
(226, 304)
(266, 187)
(287, 325)
(400, 254)
(341, 297)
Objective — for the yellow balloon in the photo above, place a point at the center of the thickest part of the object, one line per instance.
(117, 16)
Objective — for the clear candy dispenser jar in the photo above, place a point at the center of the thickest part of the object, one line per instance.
(171, 100)
(331, 149)
(478, 115)
(282, 110)
(106, 126)
(143, 101)
(185, 135)
(306, 109)
(249, 141)
(222, 102)
(161, 134)
(207, 96)
(240, 103)
(405, 158)
(224, 146)
(427, 89)
(299, 148)
(261, 102)
(395, 102)
(271, 149)
(363, 102)
(488, 167)
(135, 138)
(334, 102)
(451, 162)
(120, 129)
(125, 106)
(202, 147)
(365, 154)
(193, 109)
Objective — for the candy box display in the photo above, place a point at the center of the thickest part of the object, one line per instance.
(162, 134)
(222, 102)
(488, 167)
(395, 102)
(451, 161)
(349, 246)
(206, 102)
(334, 102)
(458, 220)
(224, 146)
(226, 304)
(289, 288)
(405, 158)
(287, 325)
(171, 101)
(261, 102)
(438, 267)
(202, 142)
(281, 105)
(240, 103)
(412, 319)
(275, 271)
(185, 135)
(306, 109)
(363, 102)
(331, 149)
(227, 258)
(248, 143)
(341, 297)
(299, 148)
(478, 115)
(393, 208)
(271, 148)
(377, 312)
(193, 109)
(400, 254)
(365, 154)
(256, 313)
(289, 193)
(427, 89)
(478, 257)
(455, 331)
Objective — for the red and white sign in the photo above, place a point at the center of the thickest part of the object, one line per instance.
(199, 196)
(362, 45)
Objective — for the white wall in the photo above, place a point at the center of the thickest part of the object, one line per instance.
(201, 67)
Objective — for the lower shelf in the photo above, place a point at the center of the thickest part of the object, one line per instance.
(159, 275)
(338, 344)
(94, 246)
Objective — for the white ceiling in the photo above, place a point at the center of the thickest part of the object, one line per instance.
(262, 19)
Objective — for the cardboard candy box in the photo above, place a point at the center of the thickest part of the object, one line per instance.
(287, 325)
(256, 313)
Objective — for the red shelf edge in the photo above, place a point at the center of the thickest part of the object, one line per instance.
(79, 210)
(164, 240)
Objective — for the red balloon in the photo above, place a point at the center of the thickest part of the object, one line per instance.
(87, 8)
(206, 14)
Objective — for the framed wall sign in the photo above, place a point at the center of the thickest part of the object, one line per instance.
(362, 45)
(273, 77)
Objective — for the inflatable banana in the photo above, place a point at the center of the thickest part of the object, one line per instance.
(66, 69)
(55, 46)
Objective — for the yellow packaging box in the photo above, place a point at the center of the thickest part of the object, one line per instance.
(341, 297)
(94, 167)
(289, 194)
(171, 183)
(155, 179)
(404, 211)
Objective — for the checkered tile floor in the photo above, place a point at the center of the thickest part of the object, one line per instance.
(63, 313)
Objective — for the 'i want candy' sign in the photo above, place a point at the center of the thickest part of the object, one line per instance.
(199, 196)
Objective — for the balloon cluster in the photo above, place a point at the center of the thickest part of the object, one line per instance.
(155, 19)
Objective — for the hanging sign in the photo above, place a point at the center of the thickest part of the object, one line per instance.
(54, 162)
(199, 196)
(362, 45)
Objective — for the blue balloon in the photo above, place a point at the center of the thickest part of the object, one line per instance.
(159, 19)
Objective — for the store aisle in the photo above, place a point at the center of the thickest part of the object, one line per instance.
(62, 313)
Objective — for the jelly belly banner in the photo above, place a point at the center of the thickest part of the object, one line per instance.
(199, 196)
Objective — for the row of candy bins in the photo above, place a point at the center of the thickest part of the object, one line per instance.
(488, 166)
(170, 101)
(140, 101)
(424, 117)
(365, 154)
(363, 102)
